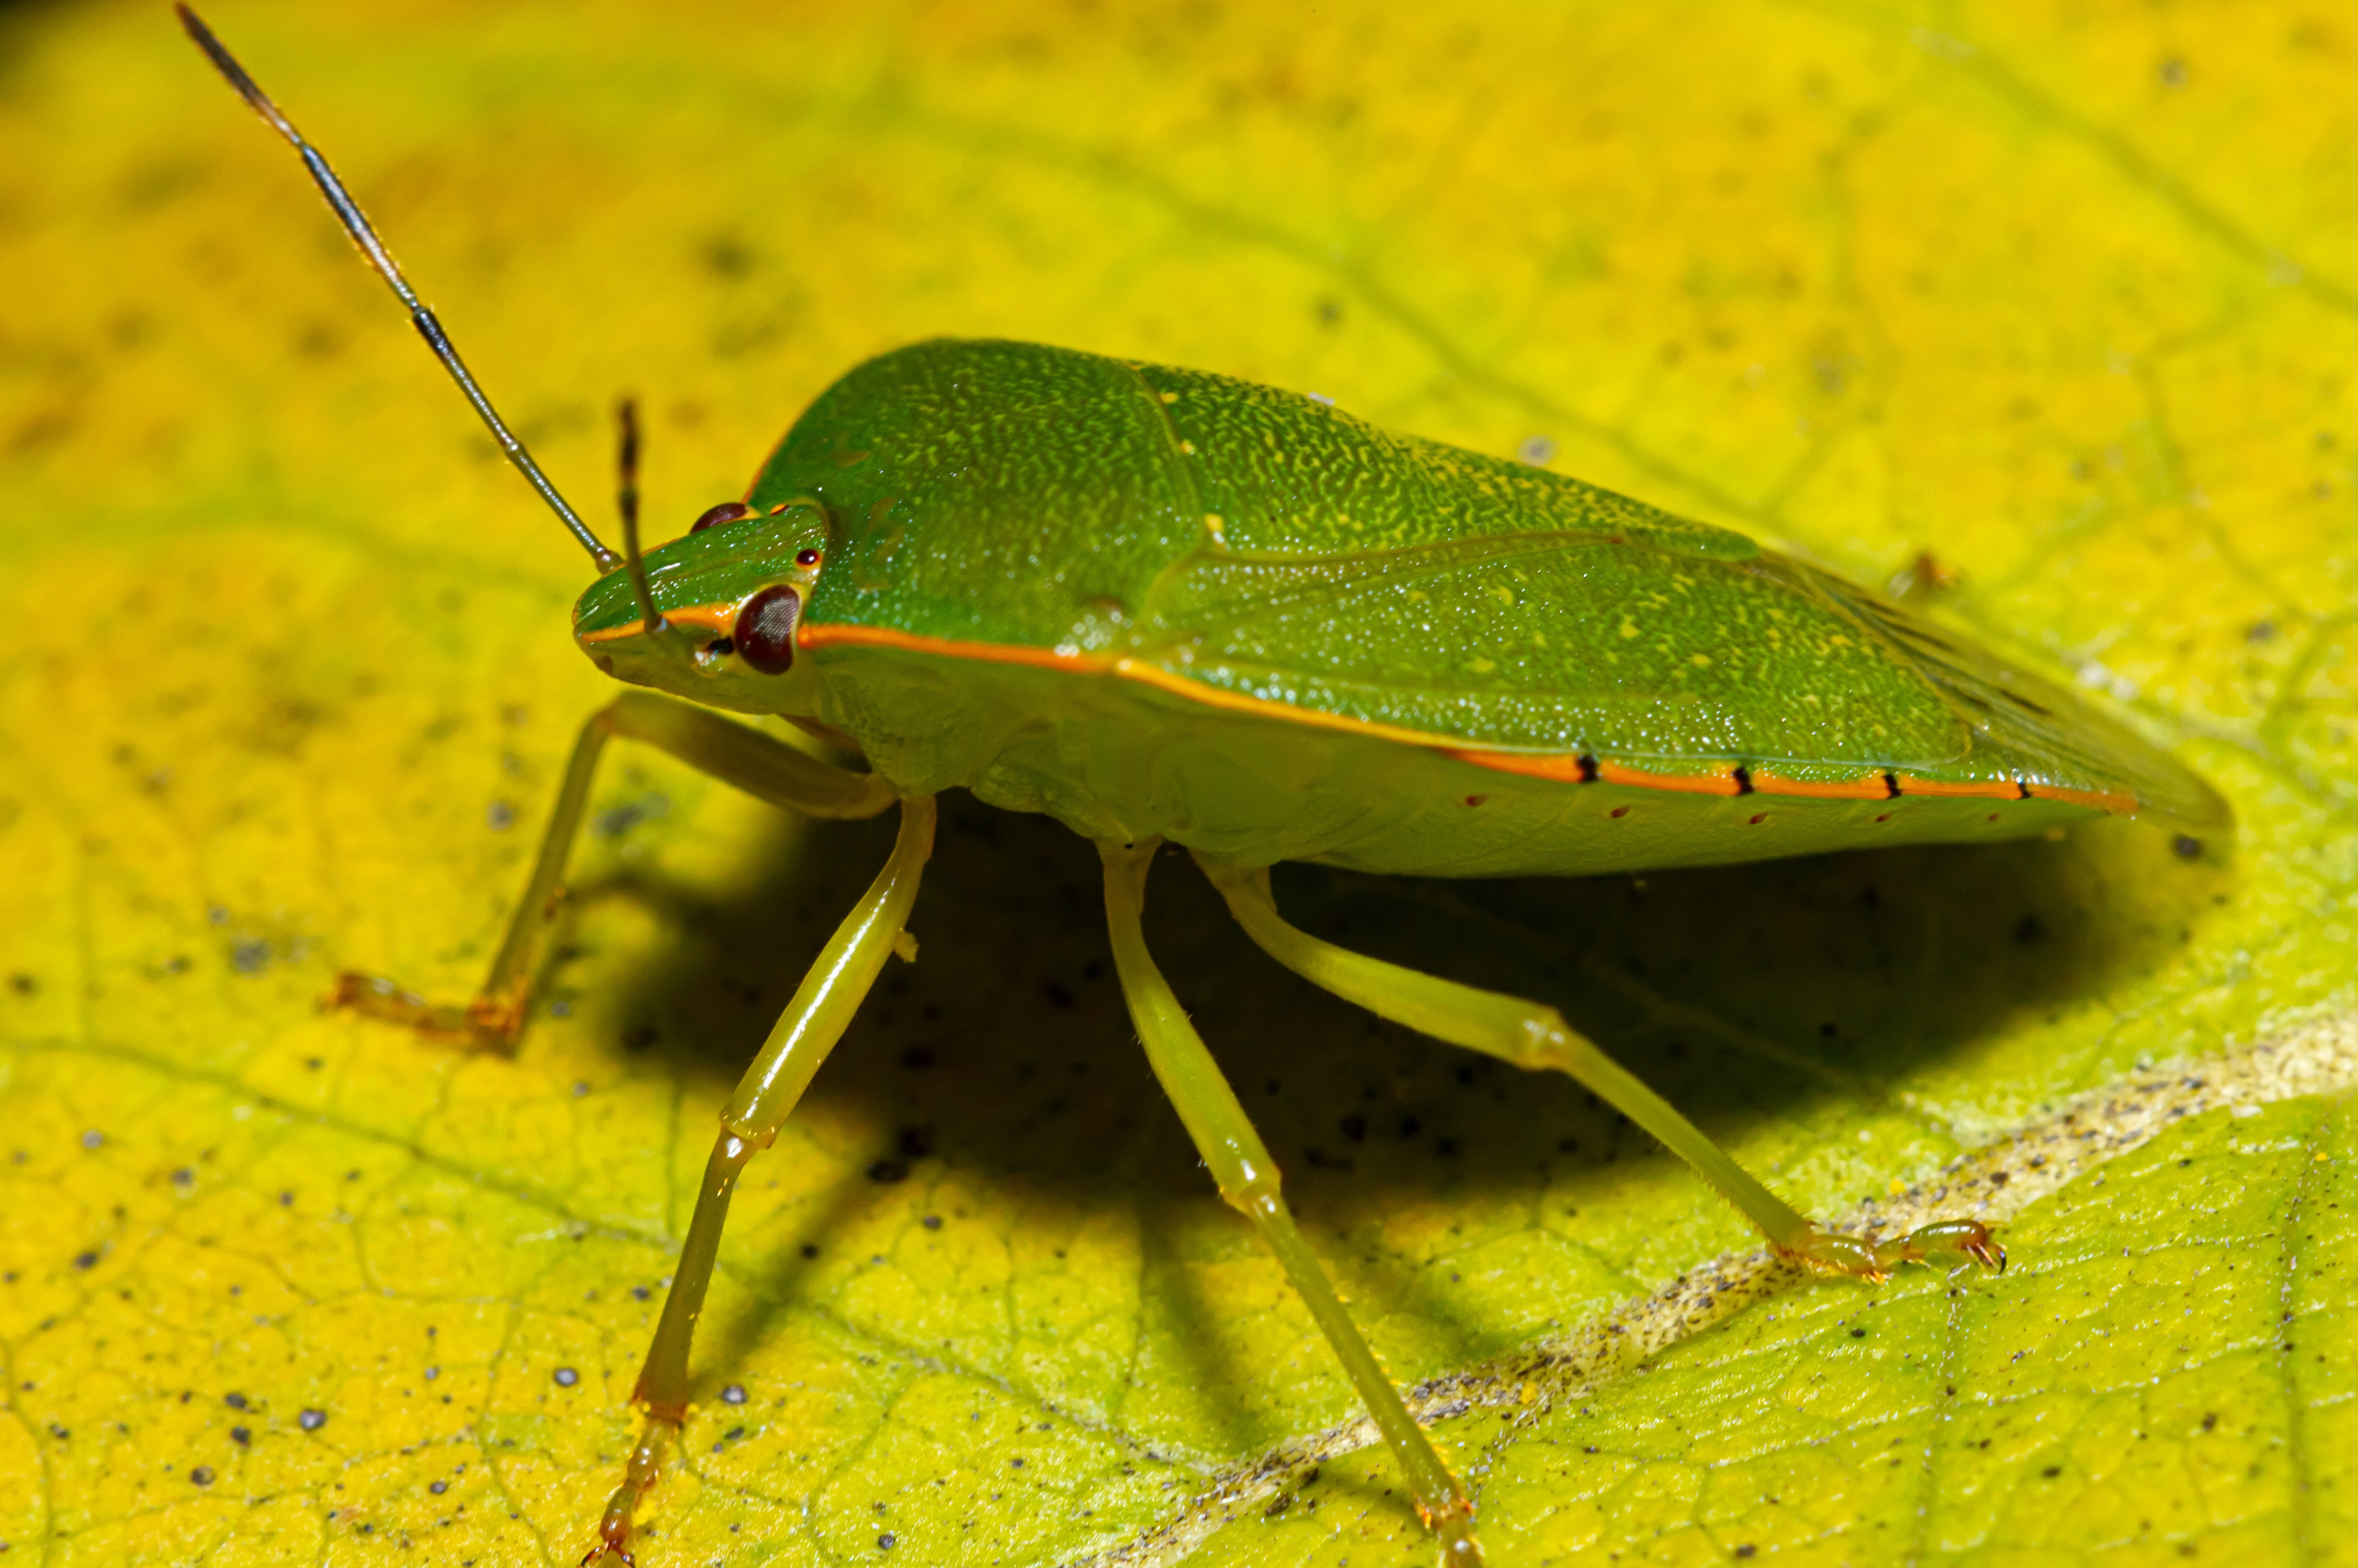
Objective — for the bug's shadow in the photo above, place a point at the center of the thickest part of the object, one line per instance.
(1741, 993)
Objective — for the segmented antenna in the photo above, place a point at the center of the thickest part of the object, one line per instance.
(357, 226)
(626, 499)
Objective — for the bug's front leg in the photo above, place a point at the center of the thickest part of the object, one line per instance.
(1247, 1178)
(1533, 1035)
(728, 751)
(813, 1021)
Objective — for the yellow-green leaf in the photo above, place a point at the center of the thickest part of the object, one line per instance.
(2059, 303)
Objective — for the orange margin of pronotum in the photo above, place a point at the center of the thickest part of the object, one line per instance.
(1572, 768)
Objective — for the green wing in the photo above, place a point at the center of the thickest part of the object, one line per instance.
(1578, 643)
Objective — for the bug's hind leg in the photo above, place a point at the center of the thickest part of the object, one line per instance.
(1249, 1182)
(1533, 1035)
(728, 751)
(813, 1021)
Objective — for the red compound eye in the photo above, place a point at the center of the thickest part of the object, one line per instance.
(805, 558)
(764, 631)
(727, 512)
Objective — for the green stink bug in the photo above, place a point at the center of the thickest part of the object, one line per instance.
(1159, 604)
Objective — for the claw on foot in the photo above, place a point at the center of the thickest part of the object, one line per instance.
(1454, 1525)
(1946, 1237)
(604, 1546)
(1967, 1239)
(490, 1022)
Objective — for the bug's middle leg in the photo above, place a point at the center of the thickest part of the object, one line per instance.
(1248, 1179)
(1533, 1035)
(813, 1021)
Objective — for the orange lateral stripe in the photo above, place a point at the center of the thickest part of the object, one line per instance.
(1866, 787)
(809, 636)
(717, 617)
(1569, 769)
(2118, 804)
(1988, 789)
(1723, 782)
(1560, 766)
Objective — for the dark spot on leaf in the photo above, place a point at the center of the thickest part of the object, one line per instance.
(726, 255)
(621, 819)
(202, 1475)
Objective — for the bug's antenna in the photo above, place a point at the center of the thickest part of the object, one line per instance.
(357, 226)
(626, 415)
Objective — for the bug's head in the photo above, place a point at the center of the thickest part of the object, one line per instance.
(730, 593)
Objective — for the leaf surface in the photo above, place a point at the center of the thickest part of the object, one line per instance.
(2059, 302)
